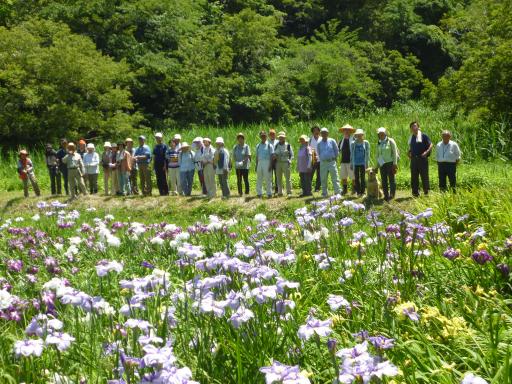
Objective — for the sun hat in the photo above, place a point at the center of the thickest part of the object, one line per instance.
(90, 146)
(359, 131)
(159, 135)
(177, 136)
(107, 144)
(72, 145)
(219, 140)
(324, 129)
(207, 139)
(304, 137)
(281, 134)
(348, 127)
(185, 145)
(272, 130)
(198, 139)
(114, 145)
(128, 140)
(142, 137)
(82, 141)
(381, 130)
(240, 134)
(23, 152)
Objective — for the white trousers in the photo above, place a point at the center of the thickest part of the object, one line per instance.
(263, 174)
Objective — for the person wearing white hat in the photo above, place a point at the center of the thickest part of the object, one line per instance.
(160, 164)
(177, 140)
(264, 161)
(328, 153)
(187, 168)
(92, 168)
(284, 155)
(134, 169)
(242, 160)
(208, 168)
(221, 162)
(106, 158)
(26, 173)
(173, 168)
(344, 146)
(198, 148)
(75, 166)
(359, 158)
(387, 160)
(143, 159)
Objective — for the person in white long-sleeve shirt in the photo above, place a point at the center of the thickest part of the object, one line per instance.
(448, 156)
(92, 168)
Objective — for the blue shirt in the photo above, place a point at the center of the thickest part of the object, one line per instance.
(327, 150)
(264, 151)
(143, 151)
(418, 148)
(186, 161)
(360, 153)
(159, 154)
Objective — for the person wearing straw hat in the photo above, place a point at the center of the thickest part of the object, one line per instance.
(75, 166)
(313, 143)
(448, 157)
(143, 159)
(222, 166)
(106, 159)
(305, 165)
(135, 169)
(187, 168)
(328, 153)
(284, 155)
(420, 148)
(198, 148)
(387, 160)
(208, 168)
(26, 173)
(160, 165)
(344, 145)
(242, 159)
(63, 170)
(264, 161)
(52, 163)
(359, 159)
(92, 168)
(173, 168)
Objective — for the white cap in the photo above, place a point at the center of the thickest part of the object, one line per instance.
(90, 146)
(177, 136)
(381, 130)
(219, 140)
(324, 130)
(159, 135)
(198, 138)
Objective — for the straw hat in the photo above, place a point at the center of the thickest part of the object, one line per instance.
(71, 145)
(303, 137)
(128, 140)
(347, 127)
(23, 152)
(281, 134)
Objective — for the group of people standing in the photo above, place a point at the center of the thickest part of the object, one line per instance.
(174, 164)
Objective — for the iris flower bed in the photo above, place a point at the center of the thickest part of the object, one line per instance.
(339, 294)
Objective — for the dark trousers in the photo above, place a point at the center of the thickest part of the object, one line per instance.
(274, 176)
(133, 181)
(388, 180)
(316, 170)
(306, 182)
(360, 181)
(161, 180)
(64, 172)
(200, 174)
(55, 179)
(242, 174)
(447, 170)
(419, 168)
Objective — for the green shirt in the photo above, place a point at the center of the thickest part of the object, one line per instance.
(386, 152)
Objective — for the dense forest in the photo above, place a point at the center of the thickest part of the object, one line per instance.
(88, 66)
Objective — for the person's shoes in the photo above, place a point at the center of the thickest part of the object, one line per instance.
(260, 196)
(269, 196)
(240, 194)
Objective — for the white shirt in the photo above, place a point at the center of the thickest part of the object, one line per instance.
(91, 163)
(447, 153)
(313, 143)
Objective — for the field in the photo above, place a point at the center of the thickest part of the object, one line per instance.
(180, 290)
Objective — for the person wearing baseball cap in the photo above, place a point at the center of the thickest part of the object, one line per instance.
(313, 143)
(106, 159)
(264, 161)
(143, 159)
(222, 166)
(75, 166)
(92, 168)
(387, 160)
(160, 165)
(344, 146)
(359, 159)
(134, 168)
(328, 154)
(26, 173)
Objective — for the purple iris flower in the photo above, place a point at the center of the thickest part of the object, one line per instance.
(315, 327)
(481, 257)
